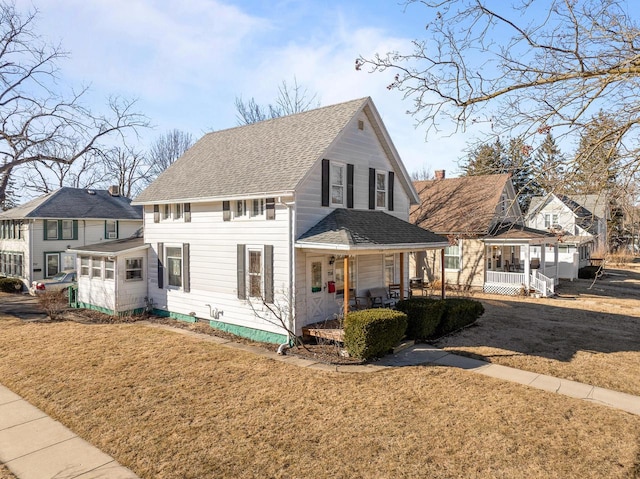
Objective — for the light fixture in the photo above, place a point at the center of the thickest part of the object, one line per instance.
(332, 260)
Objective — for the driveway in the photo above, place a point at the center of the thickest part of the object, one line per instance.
(22, 306)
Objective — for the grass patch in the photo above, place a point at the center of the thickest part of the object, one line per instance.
(169, 406)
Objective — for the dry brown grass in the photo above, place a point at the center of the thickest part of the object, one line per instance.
(591, 335)
(5, 473)
(170, 406)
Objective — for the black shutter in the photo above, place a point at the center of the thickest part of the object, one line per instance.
(325, 182)
(186, 280)
(187, 212)
(268, 273)
(156, 213)
(242, 290)
(46, 229)
(271, 208)
(372, 188)
(226, 211)
(349, 185)
(75, 229)
(390, 193)
(160, 265)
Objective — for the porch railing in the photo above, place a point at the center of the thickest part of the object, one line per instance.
(504, 277)
(542, 283)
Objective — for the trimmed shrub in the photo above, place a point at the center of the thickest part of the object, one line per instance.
(373, 332)
(10, 285)
(423, 316)
(588, 272)
(460, 312)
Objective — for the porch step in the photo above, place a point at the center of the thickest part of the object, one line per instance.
(403, 345)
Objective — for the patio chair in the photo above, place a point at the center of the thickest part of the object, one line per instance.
(394, 291)
(379, 298)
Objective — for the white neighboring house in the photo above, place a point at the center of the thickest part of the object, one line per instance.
(35, 236)
(298, 214)
(582, 232)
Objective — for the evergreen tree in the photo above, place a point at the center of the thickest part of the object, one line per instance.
(549, 166)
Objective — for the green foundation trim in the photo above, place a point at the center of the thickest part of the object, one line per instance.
(111, 312)
(250, 333)
(169, 314)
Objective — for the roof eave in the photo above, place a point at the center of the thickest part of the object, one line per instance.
(213, 199)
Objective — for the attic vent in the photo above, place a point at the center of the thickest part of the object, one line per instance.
(114, 190)
(91, 192)
(360, 125)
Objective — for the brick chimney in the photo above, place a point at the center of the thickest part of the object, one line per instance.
(114, 190)
(439, 174)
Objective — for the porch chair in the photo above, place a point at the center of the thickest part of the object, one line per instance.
(394, 291)
(379, 298)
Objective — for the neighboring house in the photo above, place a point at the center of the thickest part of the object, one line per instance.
(273, 226)
(489, 246)
(34, 237)
(581, 220)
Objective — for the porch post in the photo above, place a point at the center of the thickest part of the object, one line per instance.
(442, 278)
(555, 261)
(346, 286)
(542, 258)
(401, 276)
(527, 267)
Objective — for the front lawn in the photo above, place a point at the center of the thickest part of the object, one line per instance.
(173, 406)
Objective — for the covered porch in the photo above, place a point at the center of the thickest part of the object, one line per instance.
(521, 260)
(355, 259)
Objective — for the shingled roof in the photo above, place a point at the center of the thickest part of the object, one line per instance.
(365, 229)
(465, 205)
(267, 157)
(76, 203)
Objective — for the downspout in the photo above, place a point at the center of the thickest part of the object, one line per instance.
(290, 296)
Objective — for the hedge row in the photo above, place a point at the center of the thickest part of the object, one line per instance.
(373, 332)
(10, 285)
(431, 318)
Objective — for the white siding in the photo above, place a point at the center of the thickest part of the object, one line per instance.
(213, 265)
(362, 149)
(131, 294)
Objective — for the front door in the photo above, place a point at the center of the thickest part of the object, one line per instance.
(316, 286)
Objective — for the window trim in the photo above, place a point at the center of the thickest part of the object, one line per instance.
(168, 284)
(93, 267)
(55, 254)
(458, 256)
(128, 269)
(87, 266)
(166, 212)
(106, 229)
(384, 175)
(249, 274)
(394, 267)
(112, 269)
(178, 211)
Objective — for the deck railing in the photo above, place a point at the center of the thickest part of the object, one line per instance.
(504, 277)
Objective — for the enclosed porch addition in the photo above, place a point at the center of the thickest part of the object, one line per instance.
(355, 259)
(521, 260)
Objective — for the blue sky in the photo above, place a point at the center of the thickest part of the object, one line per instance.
(186, 61)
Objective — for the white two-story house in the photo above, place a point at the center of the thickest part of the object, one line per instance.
(272, 226)
(35, 236)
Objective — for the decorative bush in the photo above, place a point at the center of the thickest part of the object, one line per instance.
(588, 272)
(423, 316)
(373, 332)
(460, 312)
(10, 285)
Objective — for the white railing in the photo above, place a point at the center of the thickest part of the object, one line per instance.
(542, 283)
(551, 270)
(505, 278)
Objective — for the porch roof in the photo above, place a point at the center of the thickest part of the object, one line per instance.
(520, 233)
(115, 247)
(364, 230)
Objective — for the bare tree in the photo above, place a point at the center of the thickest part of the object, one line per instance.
(127, 168)
(525, 67)
(37, 121)
(290, 100)
(166, 149)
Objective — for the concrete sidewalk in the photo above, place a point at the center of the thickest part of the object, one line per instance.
(426, 354)
(34, 446)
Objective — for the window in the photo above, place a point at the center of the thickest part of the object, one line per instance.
(67, 229)
(166, 212)
(177, 211)
(111, 229)
(255, 273)
(241, 208)
(381, 189)
(257, 207)
(271, 208)
(339, 274)
(52, 264)
(109, 269)
(337, 184)
(96, 267)
(51, 229)
(547, 221)
(11, 264)
(452, 257)
(10, 229)
(133, 269)
(174, 266)
(554, 220)
(84, 266)
(389, 269)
